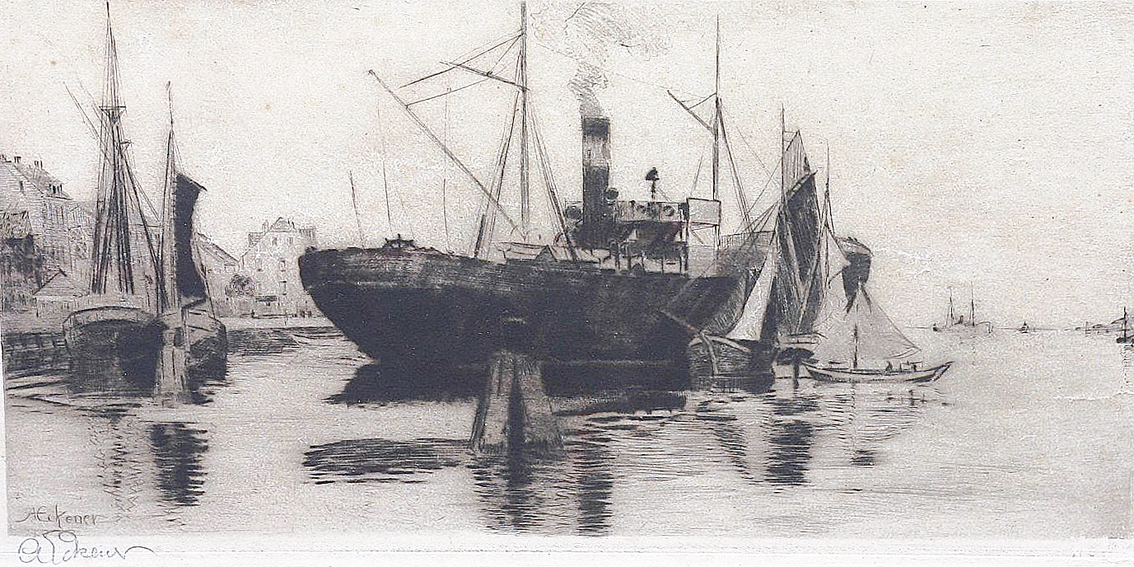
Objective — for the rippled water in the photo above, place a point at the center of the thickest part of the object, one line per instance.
(1026, 436)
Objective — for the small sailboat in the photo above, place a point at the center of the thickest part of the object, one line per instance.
(1125, 338)
(186, 305)
(1024, 328)
(861, 344)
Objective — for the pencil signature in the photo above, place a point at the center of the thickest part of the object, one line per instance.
(59, 517)
(57, 547)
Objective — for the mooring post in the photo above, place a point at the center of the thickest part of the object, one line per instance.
(171, 370)
(514, 411)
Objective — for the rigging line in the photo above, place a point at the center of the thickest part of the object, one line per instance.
(692, 106)
(445, 177)
(750, 148)
(448, 92)
(552, 191)
(487, 226)
(385, 184)
(354, 204)
(490, 69)
(741, 200)
(490, 75)
(448, 153)
(697, 175)
(452, 66)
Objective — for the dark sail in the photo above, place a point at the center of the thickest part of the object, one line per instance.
(190, 284)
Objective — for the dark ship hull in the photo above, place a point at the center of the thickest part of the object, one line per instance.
(207, 356)
(418, 310)
(112, 347)
(116, 348)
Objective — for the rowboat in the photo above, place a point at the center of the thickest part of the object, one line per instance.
(873, 375)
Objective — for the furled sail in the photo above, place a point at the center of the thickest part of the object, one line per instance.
(190, 283)
(862, 336)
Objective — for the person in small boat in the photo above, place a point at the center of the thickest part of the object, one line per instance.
(889, 366)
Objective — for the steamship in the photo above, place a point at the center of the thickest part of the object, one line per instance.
(624, 285)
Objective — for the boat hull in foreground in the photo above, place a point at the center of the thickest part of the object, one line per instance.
(112, 346)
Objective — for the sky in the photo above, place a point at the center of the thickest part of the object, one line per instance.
(973, 146)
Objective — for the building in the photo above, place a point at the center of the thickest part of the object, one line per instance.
(219, 267)
(272, 262)
(44, 231)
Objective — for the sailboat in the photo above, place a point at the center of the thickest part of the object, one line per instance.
(861, 344)
(957, 323)
(111, 335)
(186, 307)
(1125, 338)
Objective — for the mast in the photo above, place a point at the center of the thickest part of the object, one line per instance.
(855, 360)
(354, 203)
(168, 291)
(972, 307)
(952, 314)
(525, 206)
(717, 135)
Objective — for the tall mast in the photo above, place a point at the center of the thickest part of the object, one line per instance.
(525, 207)
(717, 134)
(168, 289)
(354, 203)
(972, 306)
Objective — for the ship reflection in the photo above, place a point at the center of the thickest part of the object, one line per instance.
(371, 383)
(178, 450)
(774, 437)
(124, 445)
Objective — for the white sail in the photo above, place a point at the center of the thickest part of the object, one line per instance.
(862, 337)
(751, 323)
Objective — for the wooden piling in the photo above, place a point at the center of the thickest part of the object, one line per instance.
(514, 412)
(170, 383)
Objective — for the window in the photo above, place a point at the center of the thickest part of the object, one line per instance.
(283, 287)
(290, 241)
(274, 242)
(283, 265)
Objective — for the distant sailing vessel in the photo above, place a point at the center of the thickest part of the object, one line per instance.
(1125, 338)
(956, 323)
(111, 335)
(1024, 328)
(859, 343)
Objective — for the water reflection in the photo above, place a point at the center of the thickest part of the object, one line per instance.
(177, 452)
(117, 437)
(372, 384)
(381, 460)
(727, 438)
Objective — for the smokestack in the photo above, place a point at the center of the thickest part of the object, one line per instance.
(597, 214)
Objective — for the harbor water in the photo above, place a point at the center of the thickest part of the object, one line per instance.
(1027, 436)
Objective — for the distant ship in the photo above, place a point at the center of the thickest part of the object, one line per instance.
(957, 323)
(624, 285)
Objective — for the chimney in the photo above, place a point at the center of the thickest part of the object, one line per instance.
(17, 159)
(597, 214)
